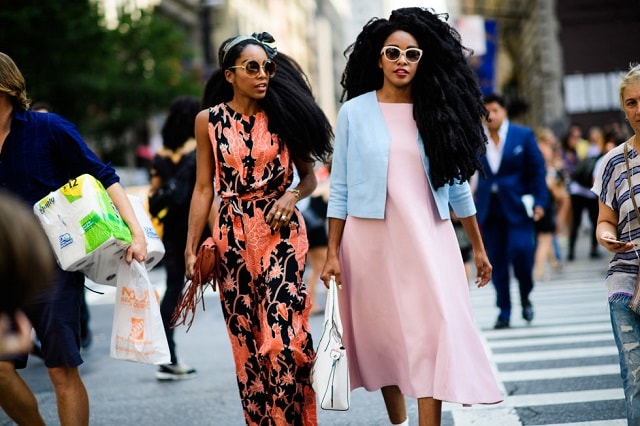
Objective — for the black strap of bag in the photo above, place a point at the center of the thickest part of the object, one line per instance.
(634, 303)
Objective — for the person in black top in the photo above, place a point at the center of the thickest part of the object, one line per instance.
(172, 181)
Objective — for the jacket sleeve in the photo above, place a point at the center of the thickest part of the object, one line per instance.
(461, 199)
(337, 207)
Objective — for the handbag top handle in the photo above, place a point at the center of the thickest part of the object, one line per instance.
(332, 310)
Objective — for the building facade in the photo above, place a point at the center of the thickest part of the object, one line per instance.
(528, 66)
(599, 41)
(559, 61)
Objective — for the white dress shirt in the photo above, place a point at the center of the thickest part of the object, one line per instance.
(494, 150)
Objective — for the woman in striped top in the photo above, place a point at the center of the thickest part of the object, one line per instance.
(617, 184)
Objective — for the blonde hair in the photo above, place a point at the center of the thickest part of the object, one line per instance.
(633, 76)
(545, 134)
(12, 83)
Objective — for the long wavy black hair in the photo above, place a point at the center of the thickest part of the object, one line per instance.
(447, 101)
(289, 104)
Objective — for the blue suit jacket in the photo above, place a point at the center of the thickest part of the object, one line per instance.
(522, 171)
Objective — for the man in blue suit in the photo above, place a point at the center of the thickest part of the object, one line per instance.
(514, 168)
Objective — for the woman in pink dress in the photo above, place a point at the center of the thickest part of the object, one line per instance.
(407, 141)
(262, 121)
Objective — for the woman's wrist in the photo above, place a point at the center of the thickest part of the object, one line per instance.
(296, 192)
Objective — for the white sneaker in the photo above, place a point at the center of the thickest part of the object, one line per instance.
(175, 372)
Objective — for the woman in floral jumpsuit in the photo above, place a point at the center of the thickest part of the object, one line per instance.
(261, 121)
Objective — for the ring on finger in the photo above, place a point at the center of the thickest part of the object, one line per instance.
(278, 214)
(283, 218)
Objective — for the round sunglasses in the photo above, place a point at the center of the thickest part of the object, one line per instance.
(393, 53)
(252, 68)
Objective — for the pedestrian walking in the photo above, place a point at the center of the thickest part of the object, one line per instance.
(407, 140)
(582, 199)
(616, 184)
(314, 212)
(514, 168)
(558, 200)
(173, 175)
(263, 120)
(39, 153)
(86, 336)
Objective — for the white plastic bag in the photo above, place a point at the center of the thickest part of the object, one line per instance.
(330, 371)
(137, 333)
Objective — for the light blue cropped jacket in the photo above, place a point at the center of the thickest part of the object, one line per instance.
(360, 163)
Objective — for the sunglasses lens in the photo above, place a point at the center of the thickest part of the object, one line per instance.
(413, 55)
(392, 53)
(270, 68)
(252, 68)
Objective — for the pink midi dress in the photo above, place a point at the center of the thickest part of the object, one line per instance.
(405, 302)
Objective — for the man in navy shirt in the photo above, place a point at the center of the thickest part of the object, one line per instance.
(39, 153)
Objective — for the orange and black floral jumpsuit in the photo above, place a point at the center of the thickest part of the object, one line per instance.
(264, 299)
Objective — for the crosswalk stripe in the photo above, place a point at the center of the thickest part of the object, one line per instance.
(558, 398)
(538, 330)
(606, 337)
(559, 373)
(489, 417)
(555, 354)
(620, 422)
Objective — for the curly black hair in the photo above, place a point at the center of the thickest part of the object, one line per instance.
(179, 124)
(289, 104)
(447, 101)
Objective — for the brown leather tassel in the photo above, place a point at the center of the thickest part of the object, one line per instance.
(204, 274)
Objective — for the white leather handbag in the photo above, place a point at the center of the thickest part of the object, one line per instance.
(330, 373)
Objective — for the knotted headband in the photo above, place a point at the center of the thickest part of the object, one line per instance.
(264, 39)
